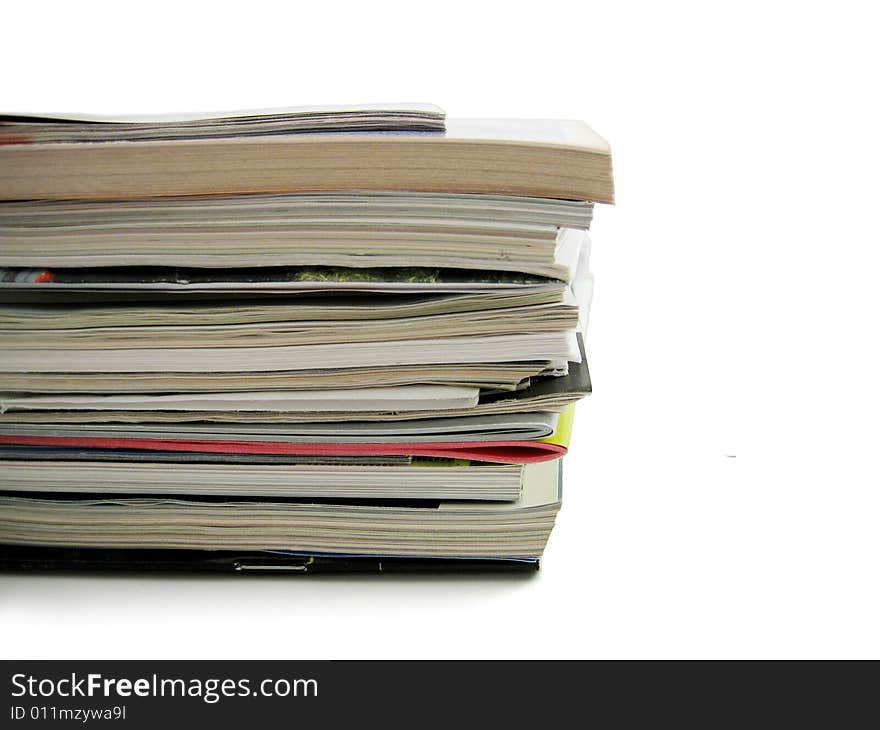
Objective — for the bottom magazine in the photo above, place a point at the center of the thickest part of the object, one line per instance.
(18, 558)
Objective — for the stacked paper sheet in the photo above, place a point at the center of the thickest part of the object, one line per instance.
(261, 371)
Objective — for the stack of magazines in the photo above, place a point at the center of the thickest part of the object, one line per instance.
(299, 340)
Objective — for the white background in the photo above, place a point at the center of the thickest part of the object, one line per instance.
(722, 492)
